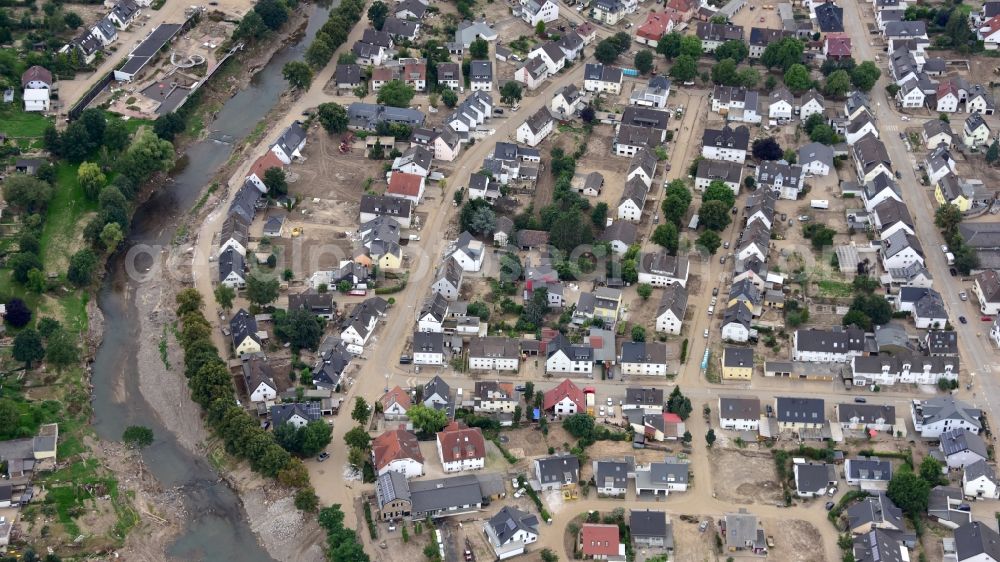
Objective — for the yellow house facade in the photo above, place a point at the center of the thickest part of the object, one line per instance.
(737, 363)
(948, 191)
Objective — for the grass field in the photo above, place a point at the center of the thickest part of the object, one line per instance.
(18, 124)
(830, 288)
(63, 224)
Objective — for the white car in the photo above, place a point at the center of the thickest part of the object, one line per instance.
(601, 411)
(962, 295)
(944, 248)
(610, 403)
(706, 332)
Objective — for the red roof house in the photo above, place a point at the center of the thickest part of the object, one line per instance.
(838, 46)
(36, 77)
(406, 186)
(395, 403)
(397, 449)
(656, 26)
(601, 541)
(682, 6)
(461, 448)
(261, 166)
(565, 394)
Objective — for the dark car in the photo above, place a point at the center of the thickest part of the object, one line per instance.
(963, 320)
(860, 399)
(715, 291)
(405, 360)
(899, 176)
(323, 456)
(829, 506)
(953, 271)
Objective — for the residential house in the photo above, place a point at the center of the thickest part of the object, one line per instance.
(784, 180)
(535, 128)
(860, 127)
(511, 530)
(654, 94)
(416, 161)
(481, 76)
(556, 472)
(941, 343)
(660, 478)
(348, 76)
(649, 400)
(871, 158)
(644, 359)
(320, 304)
(406, 186)
(609, 12)
(449, 73)
(407, 30)
(979, 481)
(493, 353)
(469, 31)
(926, 306)
(534, 12)
(837, 46)
(461, 448)
(755, 242)
(901, 250)
(816, 159)
(563, 357)
(977, 542)
(396, 208)
(602, 78)
(633, 200)
(671, 311)
(736, 323)
(650, 529)
(712, 35)
(876, 511)
(730, 173)
(728, 143)
(829, 18)
(935, 416)
(743, 532)
(428, 348)
(947, 97)
(881, 188)
(879, 546)
(799, 413)
(124, 13)
(290, 144)
(243, 328)
(395, 403)
(761, 37)
(411, 10)
(551, 54)
(532, 73)
(611, 476)
(368, 116)
(947, 506)
(979, 100)
(448, 280)
(937, 132)
(859, 416)
(892, 216)
(397, 450)
(812, 103)
(657, 25)
(910, 94)
(741, 413)
(234, 235)
(813, 479)
(820, 345)
(986, 287)
(868, 473)
(975, 132)
(781, 102)
(565, 399)
(601, 542)
(259, 379)
(297, 414)
(737, 363)
(567, 101)
(961, 448)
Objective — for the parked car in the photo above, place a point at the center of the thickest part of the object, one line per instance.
(953, 271)
(963, 295)
(860, 399)
(323, 456)
(725, 245)
(985, 318)
(706, 332)
(899, 176)
(829, 506)
(963, 320)
(715, 291)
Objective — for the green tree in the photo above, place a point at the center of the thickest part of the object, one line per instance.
(735, 50)
(377, 13)
(710, 438)
(549, 556)
(72, 20)
(540, 29)
(276, 181)
(676, 200)
(797, 78)
(300, 328)
(395, 93)
(510, 92)
(306, 500)
(250, 27)
(767, 149)
(599, 215)
(146, 155)
(333, 117)
(188, 300)
(824, 134)
(81, 267)
(61, 350)
(450, 98)
(298, 74)
(865, 75)
(714, 215)
(717, 190)
(644, 61)
(690, 46)
(670, 45)
(837, 84)
(91, 179)
(28, 347)
(137, 436)
(27, 193)
(273, 13)
(783, 54)
(606, 52)
(947, 218)
(477, 216)
(685, 68)
(930, 470)
(427, 421)
(358, 438)
(362, 411)
(479, 49)
(724, 72)
(224, 296)
(111, 235)
(748, 78)
(168, 126)
(315, 436)
(666, 235)
(993, 154)
(709, 240)
(638, 333)
(579, 425)
(679, 404)
(909, 491)
(644, 290)
(320, 51)
(262, 291)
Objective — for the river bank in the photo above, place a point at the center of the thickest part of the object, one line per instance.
(149, 383)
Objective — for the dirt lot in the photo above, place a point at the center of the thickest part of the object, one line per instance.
(690, 545)
(744, 476)
(794, 540)
(335, 179)
(599, 158)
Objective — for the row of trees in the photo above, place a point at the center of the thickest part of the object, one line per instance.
(212, 388)
(948, 218)
(48, 340)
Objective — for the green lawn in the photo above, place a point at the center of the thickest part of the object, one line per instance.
(831, 288)
(132, 124)
(18, 124)
(63, 223)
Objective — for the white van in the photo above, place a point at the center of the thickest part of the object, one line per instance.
(711, 310)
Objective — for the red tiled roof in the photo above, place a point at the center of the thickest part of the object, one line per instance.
(585, 29)
(838, 45)
(671, 418)
(657, 23)
(415, 71)
(397, 395)
(264, 163)
(599, 539)
(565, 389)
(36, 73)
(404, 184)
(382, 73)
(946, 87)
(393, 445)
(681, 5)
(990, 26)
(458, 442)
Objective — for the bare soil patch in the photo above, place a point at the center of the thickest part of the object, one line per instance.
(744, 477)
(690, 545)
(794, 540)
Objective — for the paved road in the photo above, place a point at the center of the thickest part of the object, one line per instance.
(979, 357)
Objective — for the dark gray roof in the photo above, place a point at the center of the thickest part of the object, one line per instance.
(602, 73)
(417, 7)
(675, 299)
(509, 520)
(830, 17)
(878, 546)
(385, 205)
(612, 474)
(740, 407)
(539, 120)
(451, 272)
(645, 117)
(428, 342)
(293, 136)
(281, 413)
(644, 396)
(560, 468)
(330, 366)
(978, 469)
(481, 71)
(737, 357)
(235, 228)
(814, 477)
(836, 340)
(229, 261)
(654, 353)
(390, 487)
(816, 152)
(719, 32)
(432, 495)
(905, 29)
(869, 468)
(573, 352)
(762, 37)
(942, 342)
(942, 408)
(875, 510)
(731, 172)
(347, 74)
(400, 28)
(245, 202)
(975, 539)
(981, 235)
(737, 138)
(646, 523)
(866, 413)
(243, 325)
(800, 410)
(960, 440)
(437, 386)
(635, 135)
